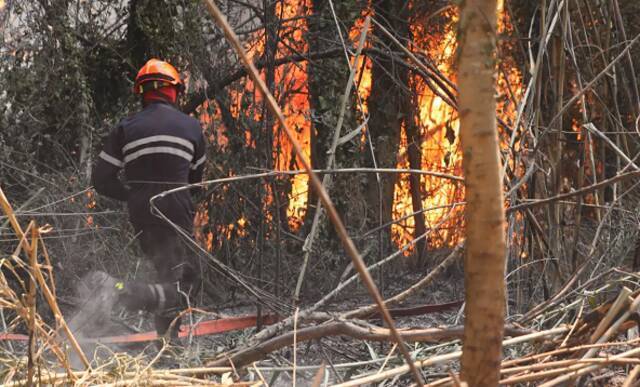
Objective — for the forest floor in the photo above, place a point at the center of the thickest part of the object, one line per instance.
(595, 321)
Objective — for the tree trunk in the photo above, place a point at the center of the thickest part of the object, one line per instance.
(386, 111)
(327, 80)
(414, 153)
(485, 218)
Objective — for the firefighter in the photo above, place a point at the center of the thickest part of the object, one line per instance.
(159, 148)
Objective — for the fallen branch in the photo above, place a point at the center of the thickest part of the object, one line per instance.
(345, 328)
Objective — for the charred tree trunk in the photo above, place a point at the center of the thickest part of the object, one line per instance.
(556, 147)
(327, 80)
(386, 111)
(485, 219)
(414, 153)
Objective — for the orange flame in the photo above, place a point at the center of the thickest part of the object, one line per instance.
(438, 126)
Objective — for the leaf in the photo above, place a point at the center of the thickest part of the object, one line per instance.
(372, 352)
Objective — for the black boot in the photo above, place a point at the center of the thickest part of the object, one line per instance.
(164, 327)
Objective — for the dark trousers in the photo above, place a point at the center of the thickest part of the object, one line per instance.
(177, 278)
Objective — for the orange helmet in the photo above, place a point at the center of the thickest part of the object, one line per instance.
(156, 74)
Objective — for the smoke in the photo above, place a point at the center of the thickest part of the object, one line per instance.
(92, 319)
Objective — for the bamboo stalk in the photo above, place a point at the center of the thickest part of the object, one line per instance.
(64, 377)
(568, 362)
(6, 207)
(31, 301)
(348, 244)
(4, 203)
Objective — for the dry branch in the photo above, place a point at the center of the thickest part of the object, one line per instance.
(352, 329)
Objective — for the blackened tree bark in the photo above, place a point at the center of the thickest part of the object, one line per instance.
(414, 153)
(386, 109)
(327, 79)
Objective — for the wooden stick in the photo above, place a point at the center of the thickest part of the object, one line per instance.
(348, 244)
(295, 344)
(345, 328)
(63, 377)
(448, 261)
(317, 379)
(578, 192)
(567, 362)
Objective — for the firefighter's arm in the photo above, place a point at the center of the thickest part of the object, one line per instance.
(197, 165)
(105, 172)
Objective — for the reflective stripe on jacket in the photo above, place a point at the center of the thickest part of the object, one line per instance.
(159, 148)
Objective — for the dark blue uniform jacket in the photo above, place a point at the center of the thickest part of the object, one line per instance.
(159, 148)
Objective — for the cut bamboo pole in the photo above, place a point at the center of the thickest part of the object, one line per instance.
(315, 182)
